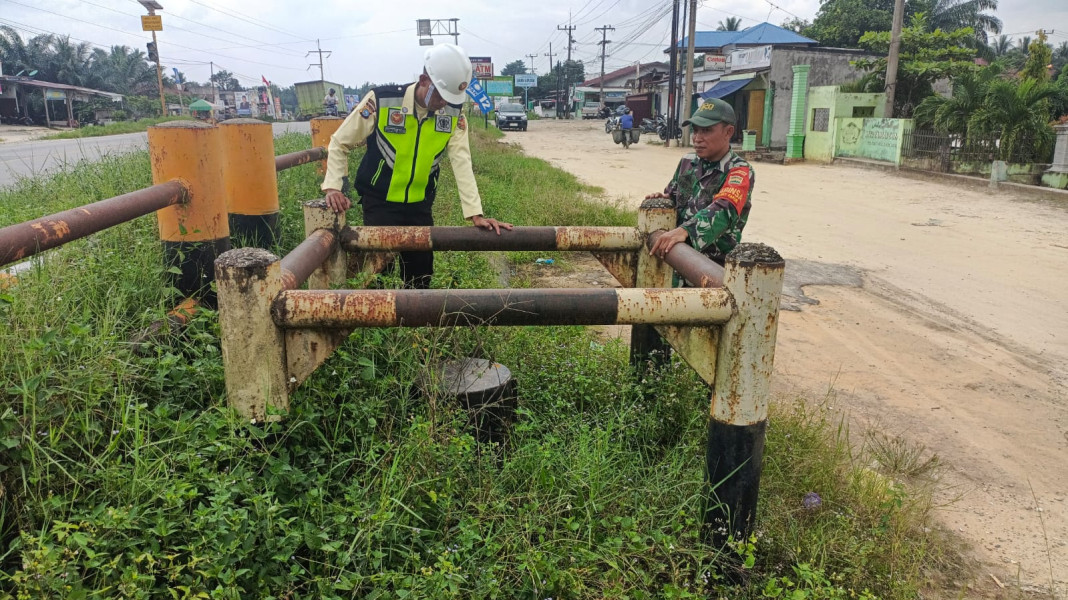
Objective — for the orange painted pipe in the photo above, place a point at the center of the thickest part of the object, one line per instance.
(322, 128)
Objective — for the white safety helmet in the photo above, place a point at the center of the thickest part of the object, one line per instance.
(449, 70)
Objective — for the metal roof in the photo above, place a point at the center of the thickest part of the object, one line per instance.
(8, 79)
(757, 35)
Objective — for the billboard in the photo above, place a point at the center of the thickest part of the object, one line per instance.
(482, 66)
(715, 62)
(500, 86)
(751, 58)
(526, 81)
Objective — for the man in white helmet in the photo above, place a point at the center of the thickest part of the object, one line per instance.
(407, 129)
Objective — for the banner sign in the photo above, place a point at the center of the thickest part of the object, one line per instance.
(500, 86)
(482, 66)
(478, 95)
(151, 22)
(526, 81)
(715, 62)
(751, 58)
(55, 95)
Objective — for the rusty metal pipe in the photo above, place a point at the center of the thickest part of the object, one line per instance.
(299, 264)
(23, 240)
(295, 159)
(422, 308)
(476, 239)
(694, 267)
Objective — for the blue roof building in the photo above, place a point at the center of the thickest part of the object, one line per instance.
(764, 34)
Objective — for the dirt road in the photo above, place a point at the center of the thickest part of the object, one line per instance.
(922, 310)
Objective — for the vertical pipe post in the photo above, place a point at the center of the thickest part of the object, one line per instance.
(322, 128)
(253, 347)
(739, 411)
(251, 181)
(195, 233)
(332, 273)
(646, 345)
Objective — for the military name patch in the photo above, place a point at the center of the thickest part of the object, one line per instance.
(443, 124)
(395, 121)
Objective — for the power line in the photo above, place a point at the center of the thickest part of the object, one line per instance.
(255, 22)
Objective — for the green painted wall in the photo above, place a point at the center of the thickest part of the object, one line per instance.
(819, 145)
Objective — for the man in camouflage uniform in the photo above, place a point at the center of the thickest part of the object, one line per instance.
(712, 187)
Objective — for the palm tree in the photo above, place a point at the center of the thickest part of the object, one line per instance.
(1019, 112)
(1024, 44)
(68, 62)
(953, 114)
(951, 15)
(1001, 45)
(731, 24)
(123, 71)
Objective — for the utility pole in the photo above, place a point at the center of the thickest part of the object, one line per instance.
(672, 72)
(212, 80)
(556, 98)
(152, 6)
(532, 57)
(604, 47)
(567, 65)
(686, 98)
(892, 59)
(319, 50)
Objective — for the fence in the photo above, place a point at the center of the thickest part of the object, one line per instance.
(274, 335)
(954, 152)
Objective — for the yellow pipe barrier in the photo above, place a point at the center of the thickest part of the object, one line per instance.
(322, 128)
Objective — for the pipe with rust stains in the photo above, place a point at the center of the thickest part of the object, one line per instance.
(251, 181)
(26, 239)
(299, 264)
(322, 129)
(301, 157)
(426, 308)
(691, 265)
(409, 239)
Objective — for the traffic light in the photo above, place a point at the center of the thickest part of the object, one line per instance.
(152, 54)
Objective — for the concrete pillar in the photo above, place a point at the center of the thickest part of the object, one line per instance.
(332, 273)
(646, 345)
(1057, 175)
(196, 232)
(739, 413)
(253, 347)
(795, 139)
(251, 181)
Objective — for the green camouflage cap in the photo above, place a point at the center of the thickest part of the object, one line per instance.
(711, 112)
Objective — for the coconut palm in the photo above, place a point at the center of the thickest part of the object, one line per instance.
(1001, 45)
(731, 24)
(123, 71)
(951, 15)
(68, 62)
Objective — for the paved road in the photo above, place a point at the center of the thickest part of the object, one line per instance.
(28, 159)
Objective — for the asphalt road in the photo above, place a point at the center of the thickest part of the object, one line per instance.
(30, 159)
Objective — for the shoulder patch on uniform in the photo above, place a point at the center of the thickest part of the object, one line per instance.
(735, 188)
(368, 108)
(461, 122)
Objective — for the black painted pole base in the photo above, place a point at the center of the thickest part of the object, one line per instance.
(734, 459)
(648, 351)
(255, 231)
(196, 261)
(486, 390)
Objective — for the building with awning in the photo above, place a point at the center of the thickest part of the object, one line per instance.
(15, 92)
(752, 70)
(617, 87)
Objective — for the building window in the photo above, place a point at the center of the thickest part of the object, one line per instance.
(863, 111)
(820, 119)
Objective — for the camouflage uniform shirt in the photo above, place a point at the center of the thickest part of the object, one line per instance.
(712, 201)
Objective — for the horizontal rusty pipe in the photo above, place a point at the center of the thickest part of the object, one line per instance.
(476, 238)
(421, 308)
(299, 264)
(694, 267)
(22, 240)
(295, 159)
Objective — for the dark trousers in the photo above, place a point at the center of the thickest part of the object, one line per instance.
(416, 268)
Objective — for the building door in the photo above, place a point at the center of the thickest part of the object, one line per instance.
(756, 112)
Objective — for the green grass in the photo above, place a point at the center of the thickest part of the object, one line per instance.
(126, 476)
(112, 128)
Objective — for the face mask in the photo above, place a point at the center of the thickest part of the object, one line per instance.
(429, 93)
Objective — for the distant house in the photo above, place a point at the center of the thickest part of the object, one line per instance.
(628, 85)
(752, 69)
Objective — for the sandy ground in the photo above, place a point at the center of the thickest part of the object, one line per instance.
(18, 133)
(920, 310)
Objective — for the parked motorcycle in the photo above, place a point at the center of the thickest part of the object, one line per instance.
(662, 129)
(650, 125)
(610, 124)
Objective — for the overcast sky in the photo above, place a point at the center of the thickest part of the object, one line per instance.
(378, 42)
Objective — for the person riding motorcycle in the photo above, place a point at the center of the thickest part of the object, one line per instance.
(330, 102)
(627, 120)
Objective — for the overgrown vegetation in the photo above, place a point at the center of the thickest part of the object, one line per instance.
(127, 476)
